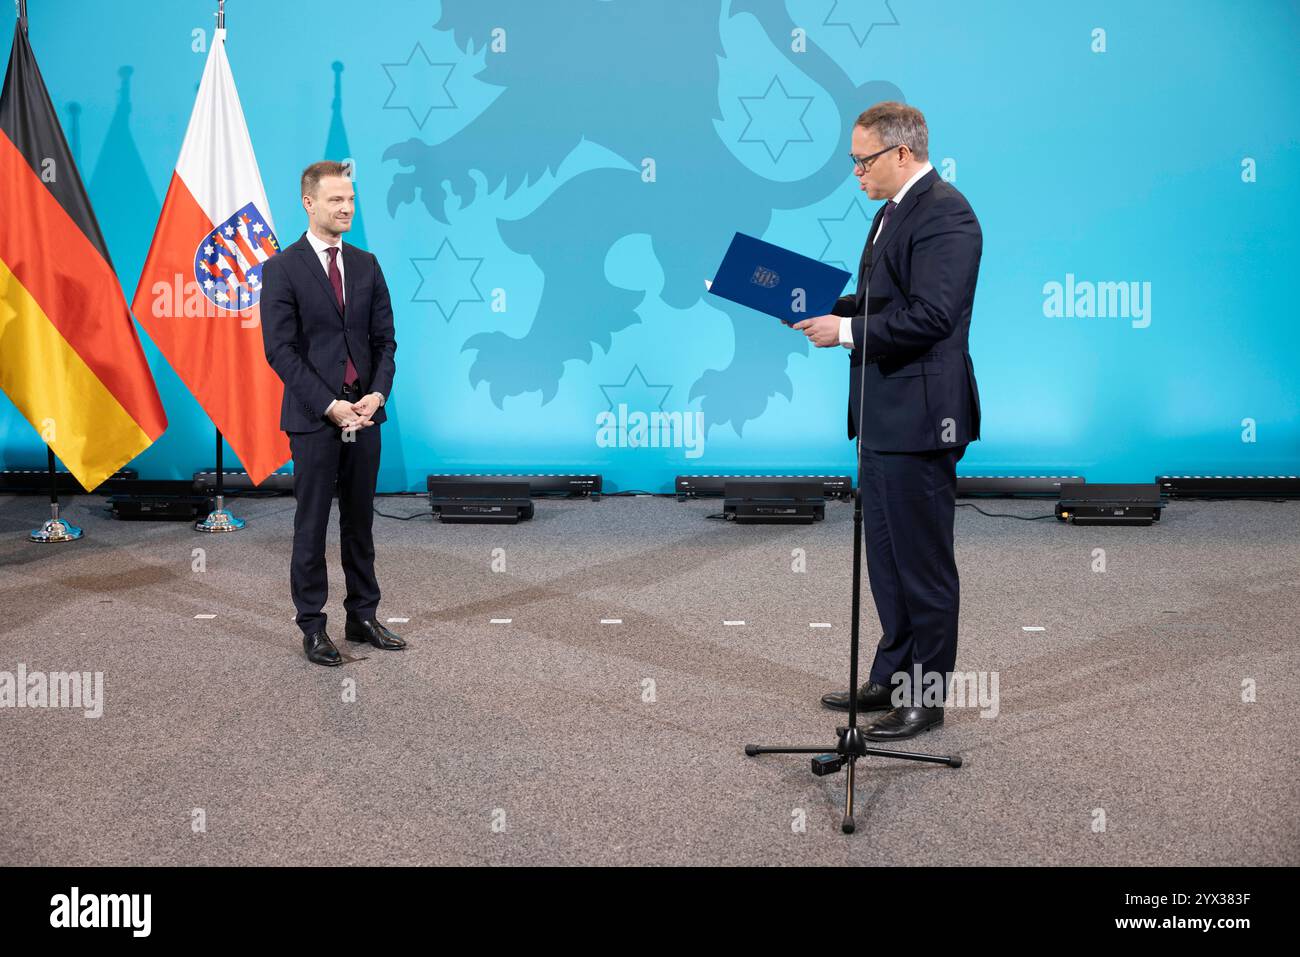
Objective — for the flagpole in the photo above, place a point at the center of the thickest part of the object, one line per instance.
(55, 529)
(220, 520)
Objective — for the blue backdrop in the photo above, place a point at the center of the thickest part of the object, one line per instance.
(548, 182)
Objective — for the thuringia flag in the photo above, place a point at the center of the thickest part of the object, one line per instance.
(71, 360)
(200, 288)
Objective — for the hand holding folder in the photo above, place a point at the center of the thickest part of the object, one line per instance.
(776, 281)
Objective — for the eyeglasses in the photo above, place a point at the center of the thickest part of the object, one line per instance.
(864, 162)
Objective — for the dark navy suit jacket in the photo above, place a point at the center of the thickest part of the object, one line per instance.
(920, 386)
(307, 337)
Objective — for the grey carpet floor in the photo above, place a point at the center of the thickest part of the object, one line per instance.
(556, 739)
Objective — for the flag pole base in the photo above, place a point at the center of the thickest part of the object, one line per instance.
(55, 529)
(219, 520)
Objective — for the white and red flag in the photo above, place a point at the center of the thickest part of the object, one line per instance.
(199, 291)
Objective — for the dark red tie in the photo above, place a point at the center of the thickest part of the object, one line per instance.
(889, 211)
(884, 221)
(336, 280)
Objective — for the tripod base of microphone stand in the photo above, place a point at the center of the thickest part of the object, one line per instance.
(850, 745)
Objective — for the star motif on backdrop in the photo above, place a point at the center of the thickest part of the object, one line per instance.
(775, 115)
(447, 277)
(419, 86)
(861, 17)
(844, 233)
(627, 389)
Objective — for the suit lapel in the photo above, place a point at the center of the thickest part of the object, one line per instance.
(317, 269)
(904, 210)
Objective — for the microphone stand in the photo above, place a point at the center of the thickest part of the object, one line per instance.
(850, 744)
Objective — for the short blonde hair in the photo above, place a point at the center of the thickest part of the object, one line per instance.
(314, 173)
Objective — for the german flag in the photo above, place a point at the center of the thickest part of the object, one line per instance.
(72, 361)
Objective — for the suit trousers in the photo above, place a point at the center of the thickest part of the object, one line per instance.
(324, 463)
(908, 504)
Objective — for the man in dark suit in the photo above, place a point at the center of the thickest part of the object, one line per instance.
(327, 325)
(913, 405)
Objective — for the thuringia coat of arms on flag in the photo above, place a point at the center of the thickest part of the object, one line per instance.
(228, 260)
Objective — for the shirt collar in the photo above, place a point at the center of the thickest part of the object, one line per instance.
(898, 197)
(320, 245)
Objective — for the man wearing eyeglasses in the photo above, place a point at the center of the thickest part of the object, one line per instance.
(913, 405)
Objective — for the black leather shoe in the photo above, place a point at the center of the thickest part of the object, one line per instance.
(372, 631)
(320, 650)
(871, 697)
(904, 723)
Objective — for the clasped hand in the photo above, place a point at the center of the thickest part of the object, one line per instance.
(350, 416)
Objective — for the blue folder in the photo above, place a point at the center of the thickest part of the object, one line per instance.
(766, 277)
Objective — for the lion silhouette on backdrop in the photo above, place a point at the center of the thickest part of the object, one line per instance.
(656, 96)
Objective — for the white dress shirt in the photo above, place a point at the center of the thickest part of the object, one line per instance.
(846, 322)
(322, 253)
